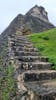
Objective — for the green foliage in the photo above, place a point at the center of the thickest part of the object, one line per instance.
(7, 83)
(46, 43)
(46, 38)
(41, 47)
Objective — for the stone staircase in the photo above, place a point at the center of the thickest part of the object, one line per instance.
(35, 78)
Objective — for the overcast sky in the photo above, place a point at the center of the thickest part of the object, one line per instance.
(9, 9)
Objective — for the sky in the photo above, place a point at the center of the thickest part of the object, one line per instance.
(9, 9)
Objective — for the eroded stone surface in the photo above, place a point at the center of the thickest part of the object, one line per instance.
(32, 73)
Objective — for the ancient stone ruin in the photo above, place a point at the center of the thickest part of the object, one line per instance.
(35, 78)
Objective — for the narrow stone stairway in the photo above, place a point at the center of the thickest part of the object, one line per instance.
(35, 78)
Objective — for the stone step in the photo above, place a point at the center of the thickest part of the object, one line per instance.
(49, 83)
(18, 37)
(39, 92)
(39, 75)
(27, 58)
(28, 49)
(20, 41)
(35, 65)
(22, 45)
(31, 49)
(31, 59)
(24, 53)
(21, 36)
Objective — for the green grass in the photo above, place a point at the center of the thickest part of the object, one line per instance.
(46, 43)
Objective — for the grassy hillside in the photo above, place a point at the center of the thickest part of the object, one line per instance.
(46, 43)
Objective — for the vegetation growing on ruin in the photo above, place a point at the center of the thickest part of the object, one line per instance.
(7, 83)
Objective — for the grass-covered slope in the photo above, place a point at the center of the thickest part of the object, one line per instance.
(46, 43)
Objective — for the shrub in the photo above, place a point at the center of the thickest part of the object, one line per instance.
(54, 67)
(46, 38)
(41, 47)
(40, 37)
